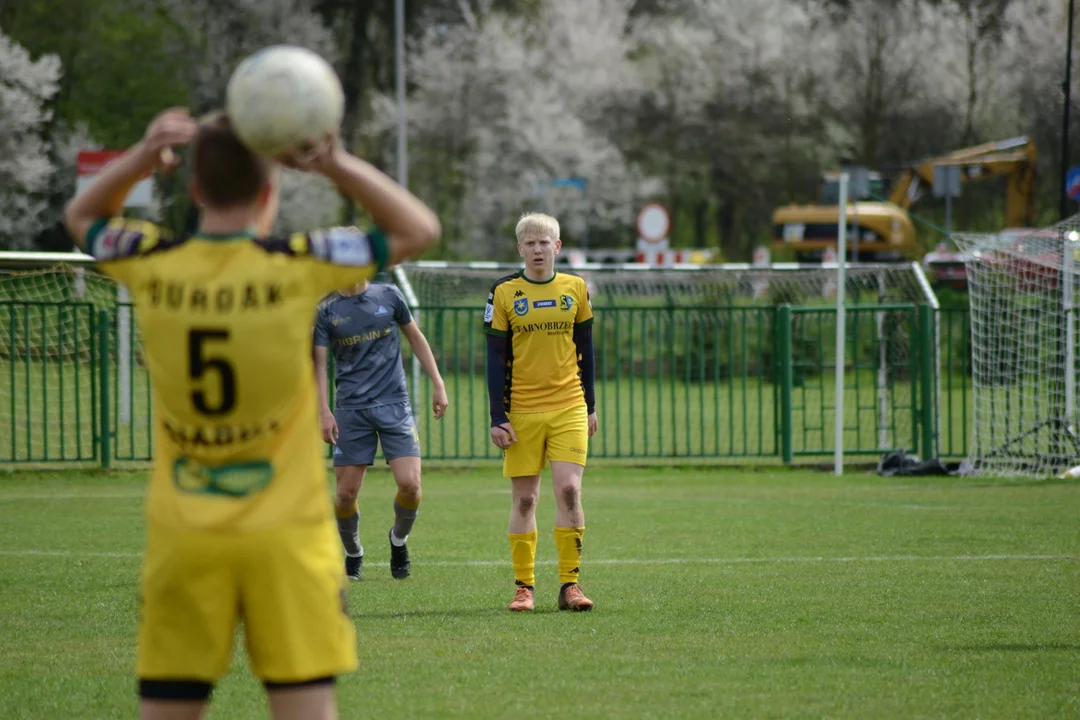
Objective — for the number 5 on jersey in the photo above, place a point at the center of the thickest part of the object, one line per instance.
(202, 363)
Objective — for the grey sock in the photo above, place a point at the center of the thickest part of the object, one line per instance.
(349, 530)
(403, 521)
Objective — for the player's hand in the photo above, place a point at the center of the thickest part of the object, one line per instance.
(439, 402)
(594, 425)
(503, 436)
(328, 424)
(170, 128)
(316, 155)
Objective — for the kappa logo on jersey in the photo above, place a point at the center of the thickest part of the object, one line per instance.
(544, 303)
(521, 306)
(565, 302)
(349, 246)
(519, 293)
(381, 311)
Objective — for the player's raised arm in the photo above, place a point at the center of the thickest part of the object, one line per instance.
(408, 223)
(105, 197)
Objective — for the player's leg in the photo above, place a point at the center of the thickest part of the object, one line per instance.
(401, 447)
(524, 494)
(173, 709)
(522, 463)
(188, 595)
(299, 635)
(306, 701)
(355, 450)
(568, 439)
(349, 479)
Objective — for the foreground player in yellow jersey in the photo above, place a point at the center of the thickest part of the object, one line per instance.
(540, 374)
(240, 526)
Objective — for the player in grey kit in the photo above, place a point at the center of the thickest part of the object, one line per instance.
(373, 405)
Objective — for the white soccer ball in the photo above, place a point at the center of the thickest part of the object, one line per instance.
(282, 96)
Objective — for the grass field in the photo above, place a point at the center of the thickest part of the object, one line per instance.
(720, 593)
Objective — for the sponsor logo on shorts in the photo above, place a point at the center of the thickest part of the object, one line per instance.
(521, 307)
(544, 303)
(576, 450)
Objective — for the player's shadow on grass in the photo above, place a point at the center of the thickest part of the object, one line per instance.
(1011, 647)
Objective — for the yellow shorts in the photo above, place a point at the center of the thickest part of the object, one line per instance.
(557, 435)
(287, 585)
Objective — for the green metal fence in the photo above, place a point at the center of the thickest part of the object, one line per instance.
(752, 383)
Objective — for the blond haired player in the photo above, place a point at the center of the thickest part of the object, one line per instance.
(239, 524)
(540, 375)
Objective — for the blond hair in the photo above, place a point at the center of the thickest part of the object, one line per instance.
(536, 223)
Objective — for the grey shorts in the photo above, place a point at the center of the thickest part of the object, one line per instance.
(360, 431)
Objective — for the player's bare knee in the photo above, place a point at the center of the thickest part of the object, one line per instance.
(571, 497)
(525, 503)
(346, 496)
(409, 488)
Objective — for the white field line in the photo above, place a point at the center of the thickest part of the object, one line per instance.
(71, 496)
(640, 561)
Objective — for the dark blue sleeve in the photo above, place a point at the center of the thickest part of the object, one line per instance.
(496, 372)
(586, 364)
(402, 316)
(322, 328)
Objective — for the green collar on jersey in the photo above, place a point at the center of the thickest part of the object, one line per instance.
(538, 282)
(245, 234)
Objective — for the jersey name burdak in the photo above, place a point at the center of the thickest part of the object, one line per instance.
(220, 299)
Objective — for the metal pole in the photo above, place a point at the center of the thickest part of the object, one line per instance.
(841, 261)
(403, 175)
(948, 220)
(1066, 87)
(399, 65)
(1069, 306)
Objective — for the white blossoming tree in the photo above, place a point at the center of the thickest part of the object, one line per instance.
(26, 86)
(503, 106)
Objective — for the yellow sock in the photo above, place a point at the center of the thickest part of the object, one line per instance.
(407, 504)
(348, 513)
(523, 556)
(568, 544)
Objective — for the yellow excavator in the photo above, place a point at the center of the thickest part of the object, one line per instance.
(883, 230)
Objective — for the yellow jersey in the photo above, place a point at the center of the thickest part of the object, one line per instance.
(542, 372)
(225, 324)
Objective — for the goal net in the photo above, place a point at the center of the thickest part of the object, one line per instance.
(716, 325)
(1023, 294)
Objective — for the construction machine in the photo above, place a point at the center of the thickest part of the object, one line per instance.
(881, 228)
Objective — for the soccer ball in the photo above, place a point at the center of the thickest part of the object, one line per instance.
(282, 96)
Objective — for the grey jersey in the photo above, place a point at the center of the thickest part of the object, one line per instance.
(362, 333)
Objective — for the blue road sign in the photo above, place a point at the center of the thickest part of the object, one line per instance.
(1072, 182)
(569, 182)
